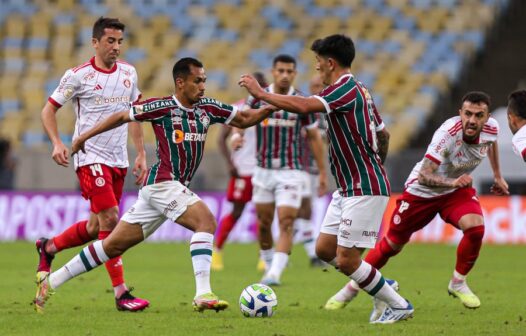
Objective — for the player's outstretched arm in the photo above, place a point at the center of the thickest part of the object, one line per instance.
(500, 186)
(428, 177)
(49, 122)
(294, 104)
(250, 117)
(113, 121)
(139, 168)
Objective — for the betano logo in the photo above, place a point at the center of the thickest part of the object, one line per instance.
(179, 136)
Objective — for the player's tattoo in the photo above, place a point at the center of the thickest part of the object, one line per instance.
(427, 176)
(383, 144)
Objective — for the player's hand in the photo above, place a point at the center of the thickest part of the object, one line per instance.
(500, 187)
(463, 181)
(60, 154)
(237, 140)
(322, 188)
(140, 168)
(251, 84)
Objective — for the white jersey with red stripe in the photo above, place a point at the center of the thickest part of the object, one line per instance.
(244, 158)
(518, 142)
(454, 156)
(96, 94)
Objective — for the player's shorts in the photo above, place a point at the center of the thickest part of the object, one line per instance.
(239, 189)
(355, 220)
(101, 185)
(412, 213)
(280, 186)
(158, 202)
(310, 185)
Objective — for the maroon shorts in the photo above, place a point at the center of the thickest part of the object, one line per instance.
(412, 213)
(239, 189)
(101, 185)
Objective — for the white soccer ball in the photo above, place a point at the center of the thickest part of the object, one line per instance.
(258, 300)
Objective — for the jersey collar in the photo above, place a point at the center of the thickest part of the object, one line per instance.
(271, 89)
(112, 70)
(342, 77)
(181, 105)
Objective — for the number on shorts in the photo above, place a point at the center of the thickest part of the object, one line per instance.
(96, 169)
(403, 207)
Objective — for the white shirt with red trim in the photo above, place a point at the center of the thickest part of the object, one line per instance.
(454, 156)
(96, 94)
(518, 142)
(244, 158)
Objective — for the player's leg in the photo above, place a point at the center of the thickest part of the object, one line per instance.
(265, 214)
(463, 210)
(303, 226)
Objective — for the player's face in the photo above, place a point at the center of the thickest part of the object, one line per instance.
(473, 117)
(108, 48)
(284, 74)
(324, 66)
(194, 85)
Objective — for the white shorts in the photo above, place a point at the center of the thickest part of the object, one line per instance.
(311, 183)
(158, 202)
(355, 220)
(282, 187)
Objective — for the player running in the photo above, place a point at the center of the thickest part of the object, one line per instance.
(180, 123)
(98, 88)
(357, 147)
(441, 184)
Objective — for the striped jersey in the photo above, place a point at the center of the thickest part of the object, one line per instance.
(454, 156)
(96, 94)
(518, 142)
(278, 138)
(352, 122)
(180, 134)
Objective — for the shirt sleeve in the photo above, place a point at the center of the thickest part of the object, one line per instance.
(440, 146)
(67, 89)
(519, 144)
(143, 111)
(338, 98)
(217, 111)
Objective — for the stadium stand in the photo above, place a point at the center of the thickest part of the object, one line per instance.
(409, 51)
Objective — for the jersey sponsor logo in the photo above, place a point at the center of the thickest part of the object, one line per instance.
(278, 122)
(101, 100)
(345, 221)
(370, 234)
(170, 207)
(127, 83)
(158, 104)
(100, 182)
(89, 76)
(180, 136)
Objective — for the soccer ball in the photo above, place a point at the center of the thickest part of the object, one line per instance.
(258, 300)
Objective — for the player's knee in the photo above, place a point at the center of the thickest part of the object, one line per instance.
(108, 219)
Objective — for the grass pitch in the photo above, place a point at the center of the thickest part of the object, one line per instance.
(163, 274)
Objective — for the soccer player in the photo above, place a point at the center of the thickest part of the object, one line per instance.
(441, 184)
(241, 162)
(98, 88)
(278, 176)
(517, 121)
(180, 123)
(357, 148)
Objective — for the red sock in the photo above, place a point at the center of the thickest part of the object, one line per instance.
(114, 265)
(468, 249)
(225, 226)
(381, 253)
(75, 235)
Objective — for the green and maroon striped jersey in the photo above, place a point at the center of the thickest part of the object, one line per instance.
(352, 123)
(278, 138)
(180, 134)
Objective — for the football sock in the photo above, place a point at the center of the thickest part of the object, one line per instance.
(371, 280)
(113, 266)
(201, 251)
(379, 256)
(267, 256)
(468, 249)
(347, 293)
(225, 226)
(279, 262)
(75, 235)
(90, 257)
(304, 227)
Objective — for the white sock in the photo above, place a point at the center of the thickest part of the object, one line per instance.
(267, 256)
(371, 280)
(458, 276)
(279, 262)
(90, 257)
(347, 293)
(201, 252)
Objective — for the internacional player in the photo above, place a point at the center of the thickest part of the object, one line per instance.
(278, 176)
(357, 148)
(98, 88)
(517, 121)
(441, 184)
(180, 123)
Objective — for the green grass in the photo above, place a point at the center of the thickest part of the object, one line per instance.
(163, 274)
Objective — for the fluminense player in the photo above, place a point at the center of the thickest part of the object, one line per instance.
(241, 161)
(98, 88)
(180, 123)
(357, 147)
(278, 176)
(441, 184)
(517, 121)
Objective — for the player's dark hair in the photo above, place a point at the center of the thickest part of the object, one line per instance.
(284, 59)
(477, 97)
(338, 46)
(103, 23)
(517, 103)
(181, 68)
(260, 77)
